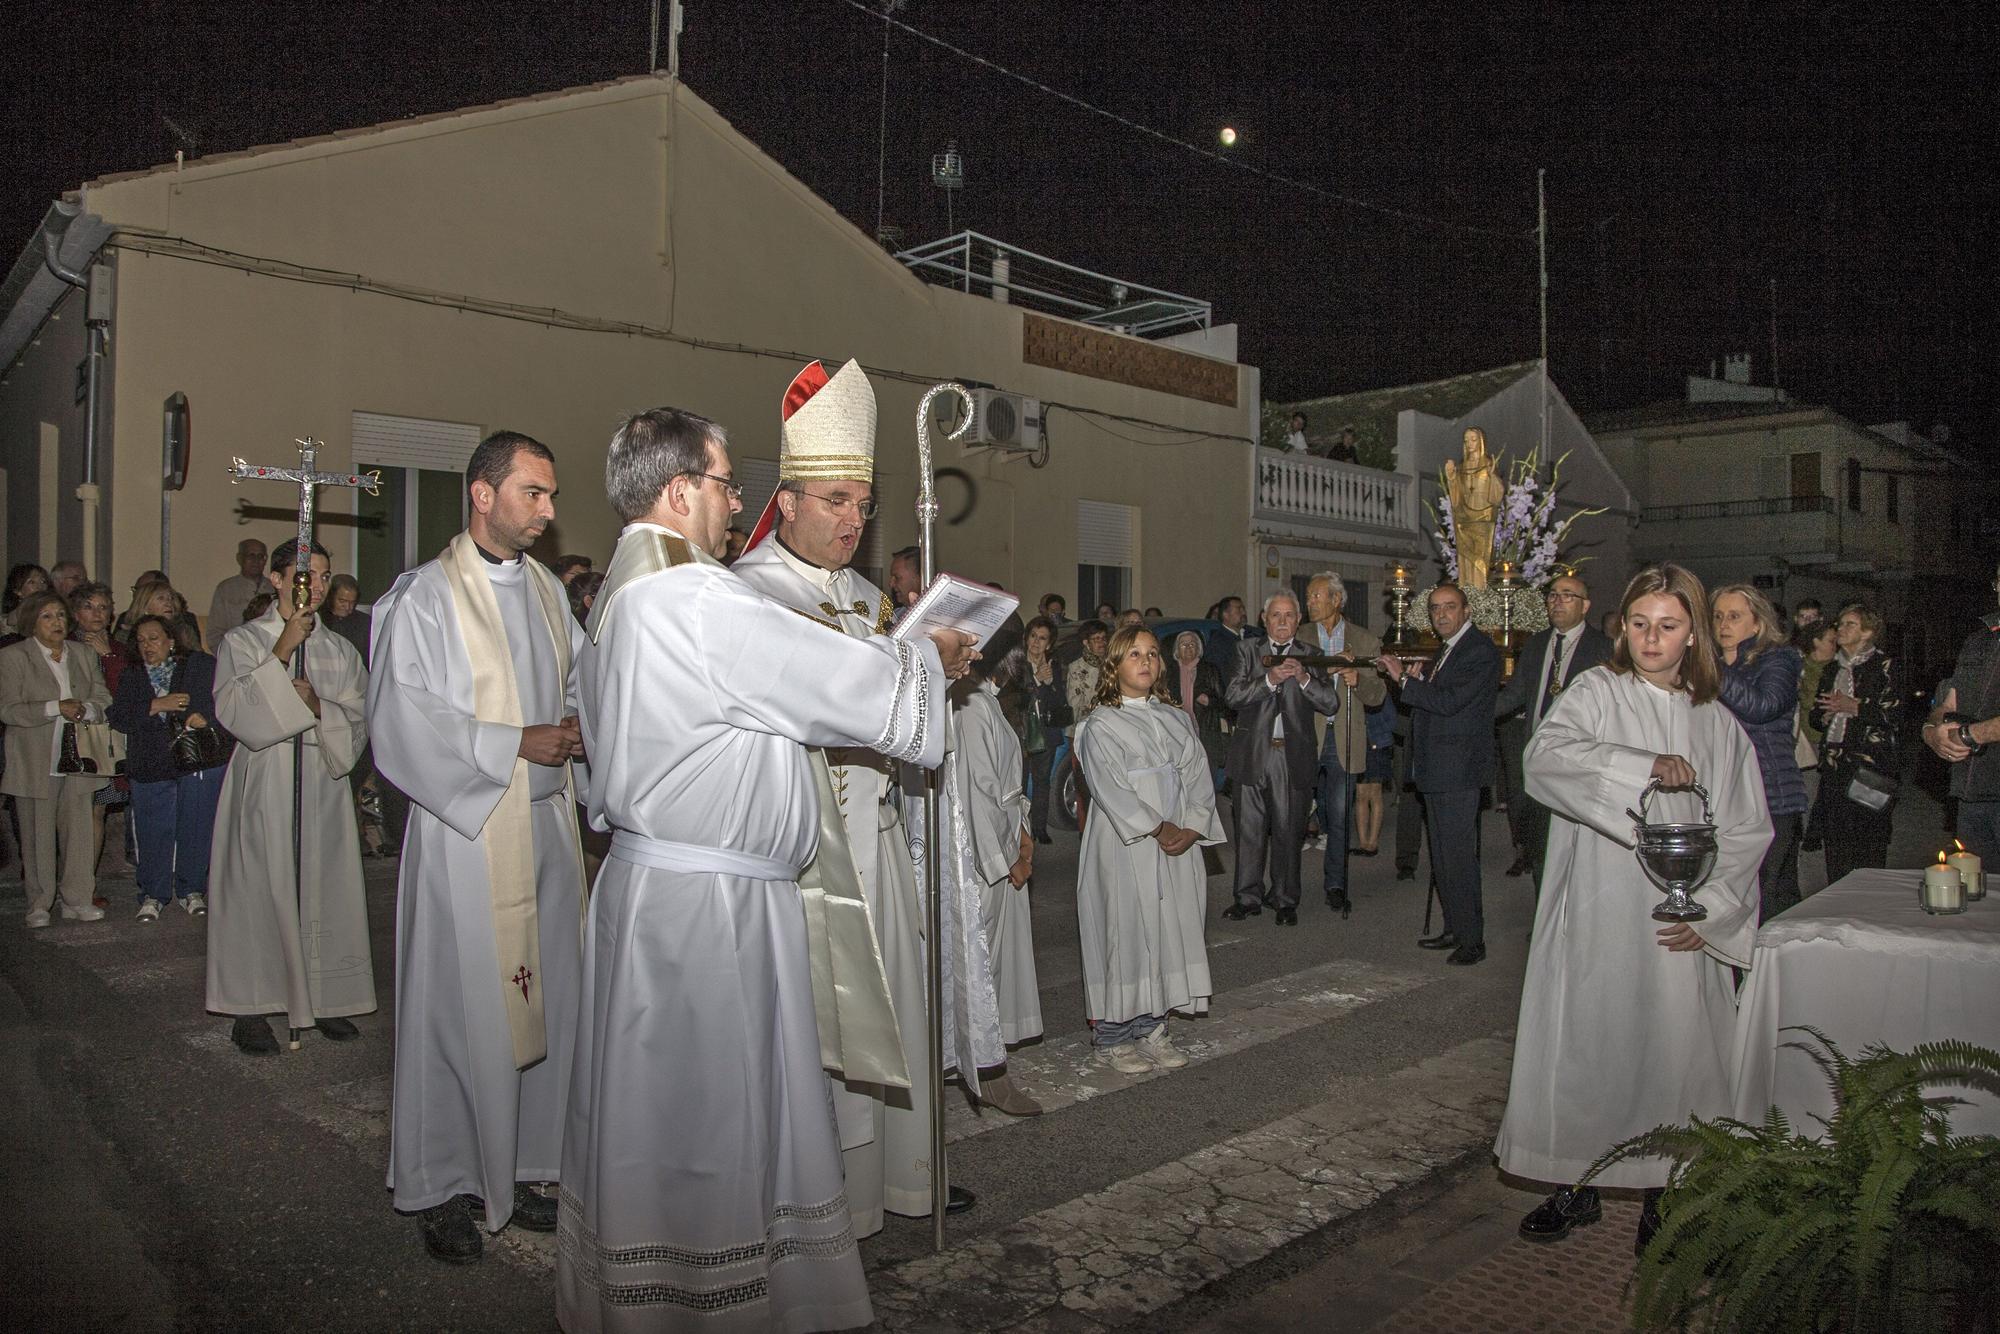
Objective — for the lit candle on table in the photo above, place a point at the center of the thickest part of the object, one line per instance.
(1970, 871)
(1944, 888)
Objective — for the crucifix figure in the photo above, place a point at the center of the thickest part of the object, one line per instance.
(306, 478)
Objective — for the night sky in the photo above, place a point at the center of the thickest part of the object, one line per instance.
(1695, 154)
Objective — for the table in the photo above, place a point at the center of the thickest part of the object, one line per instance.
(1861, 962)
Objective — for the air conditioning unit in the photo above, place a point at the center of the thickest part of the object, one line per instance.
(1008, 422)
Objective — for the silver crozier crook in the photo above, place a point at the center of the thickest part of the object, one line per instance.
(927, 508)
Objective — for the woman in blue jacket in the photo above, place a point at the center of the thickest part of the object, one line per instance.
(173, 811)
(1760, 685)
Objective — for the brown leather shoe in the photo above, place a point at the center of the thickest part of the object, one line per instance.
(999, 1093)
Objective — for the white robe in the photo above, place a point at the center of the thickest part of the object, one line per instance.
(463, 1119)
(886, 1132)
(1140, 913)
(1618, 1034)
(259, 961)
(987, 788)
(701, 1166)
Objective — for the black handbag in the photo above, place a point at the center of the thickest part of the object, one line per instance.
(1871, 788)
(196, 748)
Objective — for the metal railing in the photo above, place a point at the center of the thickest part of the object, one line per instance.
(1739, 509)
(1320, 491)
(975, 263)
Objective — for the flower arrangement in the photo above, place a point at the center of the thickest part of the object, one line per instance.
(1526, 531)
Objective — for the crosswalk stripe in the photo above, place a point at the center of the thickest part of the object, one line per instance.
(1064, 1071)
(1116, 1255)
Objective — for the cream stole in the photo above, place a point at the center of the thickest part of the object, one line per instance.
(509, 835)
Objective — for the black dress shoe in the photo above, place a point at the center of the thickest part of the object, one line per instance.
(1409, 874)
(533, 1211)
(1649, 1221)
(1467, 954)
(1236, 912)
(1520, 866)
(449, 1232)
(1570, 1207)
(958, 1199)
(1337, 901)
(1443, 940)
(253, 1036)
(1288, 917)
(337, 1030)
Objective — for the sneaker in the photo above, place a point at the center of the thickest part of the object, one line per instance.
(149, 910)
(1125, 1059)
(1160, 1050)
(37, 917)
(90, 912)
(195, 905)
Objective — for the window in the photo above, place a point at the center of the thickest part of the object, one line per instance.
(1106, 540)
(421, 505)
(1854, 485)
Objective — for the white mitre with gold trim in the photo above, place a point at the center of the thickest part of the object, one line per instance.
(826, 433)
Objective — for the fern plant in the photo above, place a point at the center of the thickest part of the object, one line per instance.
(1882, 1221)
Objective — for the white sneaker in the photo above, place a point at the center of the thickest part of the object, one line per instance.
(1125, 1059)
(195, 905)
(149, 910)
(89, 912)
(1161, 1051)
(37, 917)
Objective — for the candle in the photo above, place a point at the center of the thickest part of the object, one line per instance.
(1970, 871)
(1944, 888)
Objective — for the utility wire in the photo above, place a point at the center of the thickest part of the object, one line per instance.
(1291, 182)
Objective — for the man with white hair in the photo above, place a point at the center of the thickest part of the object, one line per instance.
(1343, 753)
(1273, 758)
(701, 1172)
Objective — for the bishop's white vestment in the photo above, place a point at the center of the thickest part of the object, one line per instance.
(1140, 913)
(259, 959)
(702, 1175)
(1618, 1034)
(464, 1118)
(885, 1132)
(987, 788)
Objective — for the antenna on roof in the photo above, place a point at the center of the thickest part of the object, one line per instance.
(676, 20)
(189, 141)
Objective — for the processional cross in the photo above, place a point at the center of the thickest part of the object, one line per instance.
(306, 478)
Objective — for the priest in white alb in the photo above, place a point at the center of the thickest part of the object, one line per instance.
(701, 1176)
(1626, 1024)
(801, 555)
(472, 706)
(276, 946)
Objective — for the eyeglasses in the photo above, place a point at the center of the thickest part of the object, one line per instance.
(865, 508)
(735, 491)
(1564, 597)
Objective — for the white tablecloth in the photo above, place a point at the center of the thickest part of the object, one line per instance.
(1861, 962)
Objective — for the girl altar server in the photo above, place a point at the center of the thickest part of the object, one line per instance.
(1140, 899)
(1626, 1022)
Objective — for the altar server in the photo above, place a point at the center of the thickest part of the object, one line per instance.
(1140, 898)
(701, 1174)
(273, 948)
(1625, 1023)
(472, 709)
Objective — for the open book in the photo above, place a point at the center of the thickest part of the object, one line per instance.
(952, 603)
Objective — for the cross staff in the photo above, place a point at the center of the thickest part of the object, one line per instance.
(306, 478)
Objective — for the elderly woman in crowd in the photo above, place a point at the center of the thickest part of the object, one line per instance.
(49, 686)
(156, 597)
(23, 581)
(1760, 685)
(90, 612)
(174, 807)
(1196, 690)
(1861, 710)
(340, 612)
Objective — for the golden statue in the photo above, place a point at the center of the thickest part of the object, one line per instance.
(1476, 491)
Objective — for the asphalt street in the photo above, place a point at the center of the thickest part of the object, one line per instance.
(1346, 1082)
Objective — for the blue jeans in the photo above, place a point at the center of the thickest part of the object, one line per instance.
(1336, 800)
(175, 822)
(1108, 1034)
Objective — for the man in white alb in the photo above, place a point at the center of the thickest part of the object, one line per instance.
(472, 708)
(800, 555)
(701, 1174)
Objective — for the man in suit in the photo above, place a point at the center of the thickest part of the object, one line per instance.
(1451, 759)
(1225, 645)
(1273, 758)
(1343, 754)
(1551, 660)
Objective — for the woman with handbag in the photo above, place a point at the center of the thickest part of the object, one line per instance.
(1048, 716)
(1760, 685)
(49, 691)
(176, 758)
(1861, 712)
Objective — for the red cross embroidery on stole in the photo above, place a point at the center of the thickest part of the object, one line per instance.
(520, 979)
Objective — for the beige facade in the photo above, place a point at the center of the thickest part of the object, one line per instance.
(549, 266)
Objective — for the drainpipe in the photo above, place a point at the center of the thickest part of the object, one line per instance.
(97, 317)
